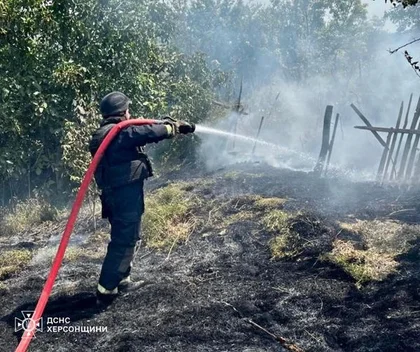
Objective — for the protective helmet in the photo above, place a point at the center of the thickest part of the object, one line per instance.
(113, 104)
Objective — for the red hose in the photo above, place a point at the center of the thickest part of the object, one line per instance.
(46, 291)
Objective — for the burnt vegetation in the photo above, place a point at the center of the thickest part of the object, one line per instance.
(268, 260)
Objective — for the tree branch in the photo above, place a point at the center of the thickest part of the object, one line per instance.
(403, 46)
(414, 65)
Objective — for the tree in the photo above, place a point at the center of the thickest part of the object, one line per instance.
(59, 58)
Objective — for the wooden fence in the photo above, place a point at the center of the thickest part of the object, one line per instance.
(400, 161)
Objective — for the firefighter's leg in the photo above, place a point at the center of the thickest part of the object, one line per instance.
(126, 277)
(117, 263)
(125, 234)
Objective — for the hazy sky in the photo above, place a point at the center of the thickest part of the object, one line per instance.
(378, 7)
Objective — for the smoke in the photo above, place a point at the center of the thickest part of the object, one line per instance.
(362, 72)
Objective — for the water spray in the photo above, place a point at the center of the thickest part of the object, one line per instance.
(208, 130)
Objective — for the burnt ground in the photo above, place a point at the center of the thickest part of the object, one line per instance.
(204, 295)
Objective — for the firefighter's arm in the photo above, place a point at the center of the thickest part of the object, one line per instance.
(145, 134)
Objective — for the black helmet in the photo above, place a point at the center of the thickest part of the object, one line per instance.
(113, 104)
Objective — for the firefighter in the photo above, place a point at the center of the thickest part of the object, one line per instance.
(120, 177)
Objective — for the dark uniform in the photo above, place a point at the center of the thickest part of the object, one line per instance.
(120, 176)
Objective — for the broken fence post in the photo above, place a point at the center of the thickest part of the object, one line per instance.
(337, 117)
(368, 124)
(325, 140)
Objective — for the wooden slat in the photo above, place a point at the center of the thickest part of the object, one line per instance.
(389, 129)
(394, 141)
(368, 124)
(384, 156)
(258, 134)
(408, 144)
(394, 166)
(410, 164)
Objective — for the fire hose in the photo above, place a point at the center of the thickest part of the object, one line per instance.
(29, 332)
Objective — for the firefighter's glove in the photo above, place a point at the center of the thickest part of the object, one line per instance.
(178, 126)
(186, 127)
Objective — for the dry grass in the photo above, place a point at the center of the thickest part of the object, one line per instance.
(168, 219)
(286, 243)
(99, 238)
(362, 265)
(269, 203)
(373, 257)
(25, 215)
(232, 175)
(240, 216)
(3, 288)
(384, 236)
(276, 221)
(13, 261)
(76, 253)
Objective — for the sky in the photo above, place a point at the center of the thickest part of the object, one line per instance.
(377, 8)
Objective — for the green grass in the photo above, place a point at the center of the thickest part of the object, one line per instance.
(286, 243)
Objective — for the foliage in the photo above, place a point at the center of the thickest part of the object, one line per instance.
(59, 58)
(405, 3)
(406, 19)
(171, 57)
